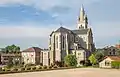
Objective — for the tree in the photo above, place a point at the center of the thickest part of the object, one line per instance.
(99, 56)
(92, 59)
(70, 60)
(10, 62)
(12, 49)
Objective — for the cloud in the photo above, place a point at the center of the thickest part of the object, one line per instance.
(48, 4)
(26, 35)
(26, 30)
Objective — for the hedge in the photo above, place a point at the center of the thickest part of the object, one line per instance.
(115, 64)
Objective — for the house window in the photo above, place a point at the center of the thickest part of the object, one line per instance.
(110, 53)
(107, 63)
(79, 53)
(113, 52)
(50, 40)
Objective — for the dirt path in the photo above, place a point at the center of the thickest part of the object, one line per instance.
(79, 72)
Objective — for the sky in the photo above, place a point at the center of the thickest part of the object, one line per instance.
(28, 23)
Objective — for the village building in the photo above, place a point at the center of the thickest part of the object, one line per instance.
(107, 62)
(31, 55)
(5, 58)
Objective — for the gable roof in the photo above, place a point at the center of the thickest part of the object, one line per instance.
(80, 31)
(115, 58)
(32, 49)
(62, 29)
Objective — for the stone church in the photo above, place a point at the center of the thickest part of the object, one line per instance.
(78, 42)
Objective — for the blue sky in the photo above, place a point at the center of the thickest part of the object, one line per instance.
(28, 23)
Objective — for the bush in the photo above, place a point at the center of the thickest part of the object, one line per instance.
(28, 65)
(0, 68)
(44, 67)
(3, 69)
(39, 67)
(14, 69)
(55, 66)
(70, 60)
(22, 69)
(28, 68)
(33, 68)
(115, 64)
(49, 67)
(41, 64)
(7, 70)
(59, 63)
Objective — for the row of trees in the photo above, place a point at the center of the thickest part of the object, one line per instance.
(94, 59)
(11, 49)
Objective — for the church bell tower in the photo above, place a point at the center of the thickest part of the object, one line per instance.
(82, 19)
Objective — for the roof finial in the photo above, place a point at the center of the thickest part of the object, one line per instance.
(61, 24)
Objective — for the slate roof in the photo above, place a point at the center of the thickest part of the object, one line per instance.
(80, 31)
(62, 29)
(33, 49)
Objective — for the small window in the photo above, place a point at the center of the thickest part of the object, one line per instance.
(107, 63)
(110, 53)
(79, 53)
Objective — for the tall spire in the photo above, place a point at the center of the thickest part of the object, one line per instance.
(82, 8)
(82, 13)
(82, 21)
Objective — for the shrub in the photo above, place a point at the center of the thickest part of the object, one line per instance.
(7, 70)
(14, 69)
(28, 68)
(55, 66)
(44, 67)
(115, 64)
(22, 69)
(39, 67)
(0, 68)
(28, 65)
(59, 63)
(65, 65)
(71, 60)
(33, 68)
(3, 69)
(49, 67)
(41, 64)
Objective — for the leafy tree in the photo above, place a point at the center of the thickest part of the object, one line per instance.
(12, 49)
(92, 59)
(70, 60)
(10, 62)
(99, 56)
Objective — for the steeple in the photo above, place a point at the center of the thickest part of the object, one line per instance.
(82, 13)
(83, 20)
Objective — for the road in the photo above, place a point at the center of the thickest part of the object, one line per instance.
(79, 72)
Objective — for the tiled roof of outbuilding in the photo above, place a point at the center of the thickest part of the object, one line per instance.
(33, 49)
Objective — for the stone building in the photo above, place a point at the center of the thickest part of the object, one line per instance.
(31, 55)
(5, 57)
(107, 62)
(45, 57)
(79, 41)
(111, 51)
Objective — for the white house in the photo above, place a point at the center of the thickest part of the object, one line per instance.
(106, 63)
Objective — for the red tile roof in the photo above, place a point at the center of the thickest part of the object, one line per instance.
(33, 49)
(115, 58)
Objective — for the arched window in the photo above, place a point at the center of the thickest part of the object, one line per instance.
(63, 42)
(57, 41)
